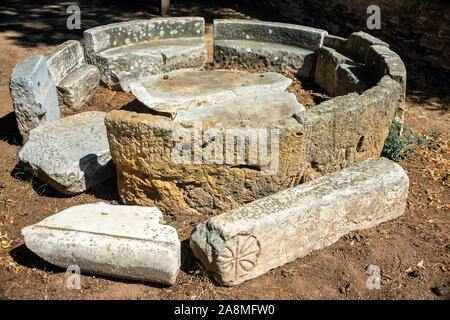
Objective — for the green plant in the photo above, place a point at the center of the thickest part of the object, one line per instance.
(398, 147)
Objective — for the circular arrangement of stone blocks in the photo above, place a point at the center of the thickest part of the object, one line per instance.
(177, 156)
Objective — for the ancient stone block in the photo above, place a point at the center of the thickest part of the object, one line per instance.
(127, 51)
(79, 86)
(75, 80)
(251, 240)
(358, 44)
(348, 129)
(185, 89)
(335, 42)
(120, 241)
(350, 78)
(33, 93)
(72, 154)
(202, 166)
(381, 61)
(325, 74)
(269, 45)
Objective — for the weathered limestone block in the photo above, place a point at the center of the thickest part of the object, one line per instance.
(269, 45)
(120, 241)
(348, 129)
(185, 89)
(33, 93)
(326, 69)
(79, 87)
(335, 42)
(350, 78)
(251, 240)
(127, 51)
(358, 44)
(76, 81)
(72, 154)
(64, 58)
(381, 61)
(202, 166)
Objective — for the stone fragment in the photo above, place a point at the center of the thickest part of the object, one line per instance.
(381, 61)
(79, 87)
(33, 93)
(75, 80)
(327, 64)
(72, 154)
(358, 44)
(178, 90)
(251, 240)
(260, 108)
(127, 51)
(334, 42)
(120, 241)
(269, 45)
(350, 78)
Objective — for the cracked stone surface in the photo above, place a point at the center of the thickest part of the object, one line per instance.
(71, 154)
(114, 240)
(251, 240)
(180, 90)
(33, 93)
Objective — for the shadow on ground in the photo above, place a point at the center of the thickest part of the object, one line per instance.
(44, 22)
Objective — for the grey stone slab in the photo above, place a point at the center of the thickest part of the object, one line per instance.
(326, 68)
(350, 78)
(142, 47)
(180, 90)
(71, 154)
(335, 42)
(263, 108)
(264, 31)
(264, 55)
(251, 240)
(64, 58)
(33, 93)
(114, 240)
(78, 87)
(358, 44)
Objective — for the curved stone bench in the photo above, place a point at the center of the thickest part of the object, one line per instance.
(355, 64)
(76, 80)
(128, 50)
(269, 45)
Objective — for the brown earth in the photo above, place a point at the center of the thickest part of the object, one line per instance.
(336, 272)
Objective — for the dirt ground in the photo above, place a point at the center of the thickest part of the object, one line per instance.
(413, 251)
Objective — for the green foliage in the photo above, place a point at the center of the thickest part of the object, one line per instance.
(398, 147)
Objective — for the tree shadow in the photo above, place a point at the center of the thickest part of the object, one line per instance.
(35, 22)
(9, 131)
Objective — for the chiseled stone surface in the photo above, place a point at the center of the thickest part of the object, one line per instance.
(64, 58)
(251, 240)
(325, 138)
(79, 86)
(358, 44)
(120, 241)
(126, 51)
(260, 108)
(143, 148)
(178, 90)
(326, 69)
(270, 45)
(33, 93)
(76, 80)
(71, 154)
